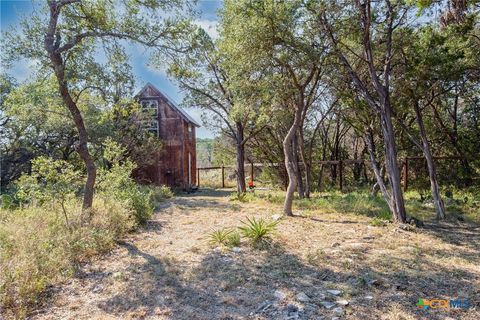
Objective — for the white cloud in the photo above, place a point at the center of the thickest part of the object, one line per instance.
(210, 26)
(23, 69)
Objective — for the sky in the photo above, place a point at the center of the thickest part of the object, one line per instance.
(11, 13)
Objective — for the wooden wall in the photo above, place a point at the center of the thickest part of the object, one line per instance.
(172, 161)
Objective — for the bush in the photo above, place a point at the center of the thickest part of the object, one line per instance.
(118, 184)
(160, 193)
(242, 196)
(258, 231)
(219, 237)
(36, 250)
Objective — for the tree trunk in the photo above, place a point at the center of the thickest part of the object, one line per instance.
(298, 170)
(59, 69)
(432, 172)
(306, 163)
(393, 171)
(377, 171)
(241, 186)
(290, 159)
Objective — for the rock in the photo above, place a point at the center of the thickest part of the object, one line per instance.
(302, 297)
(335, 292)
(280, 295)
(342, 302)
(371, 282)
(97, 288)
(236, 249)
(292, 308)
(263, 306)
(339, 311)
(327, 304)
(277, 217)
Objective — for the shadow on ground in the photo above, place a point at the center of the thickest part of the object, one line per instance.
(228, 285)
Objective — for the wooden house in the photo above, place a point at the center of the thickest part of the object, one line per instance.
(175, 164)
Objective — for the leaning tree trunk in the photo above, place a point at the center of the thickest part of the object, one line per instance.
(393, 171)
(432, 171)
(58, 66)
(377, 171)
(290, 159)
(241, 186)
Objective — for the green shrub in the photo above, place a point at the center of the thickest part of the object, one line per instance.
(258, 231)
(160, 193)
(117, 183)
(377, 222)
(219, 237)
(242, 196)
(233, 239)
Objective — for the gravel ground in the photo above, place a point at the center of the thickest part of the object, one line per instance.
(321, 266)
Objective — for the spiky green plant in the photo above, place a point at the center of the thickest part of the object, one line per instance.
(258, 231)
(219, 237)
(233, 239)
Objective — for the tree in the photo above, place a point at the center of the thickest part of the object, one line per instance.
(266, 50)
(202, 73)
(67, 41)
(379, 19)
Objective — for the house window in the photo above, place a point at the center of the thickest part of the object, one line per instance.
(150, 106)
(152, 126)
(190, 131)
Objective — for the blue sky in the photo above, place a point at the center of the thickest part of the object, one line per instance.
(11, 13)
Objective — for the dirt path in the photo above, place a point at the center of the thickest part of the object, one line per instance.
(168, 270)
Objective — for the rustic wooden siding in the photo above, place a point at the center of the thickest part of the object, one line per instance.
(171, 165)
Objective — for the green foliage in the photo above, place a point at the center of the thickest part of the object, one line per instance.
(377, 222)
(116, 182)
(233, 239)
(242, 196)
(219, 236)
(258, 231)
(50, 180)
(158, 193)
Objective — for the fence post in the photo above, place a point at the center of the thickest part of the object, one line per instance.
(198, 177)
(340, 173)
(223, 176)
(405, 177)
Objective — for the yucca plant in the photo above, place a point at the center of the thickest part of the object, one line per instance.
(233, 239)
(258, 231)
(219, 237)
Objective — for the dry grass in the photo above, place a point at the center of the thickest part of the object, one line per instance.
(170, 271)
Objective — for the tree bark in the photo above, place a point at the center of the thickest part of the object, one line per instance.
(58, 66)
(432, 171)
(399, 213)
(298, 170)
(377, 171)
(241, 186)
(289, 159)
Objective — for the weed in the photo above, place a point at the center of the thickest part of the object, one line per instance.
(233, 239)
(219, 237)
(377, 222)
(242, 196)
(258, 231)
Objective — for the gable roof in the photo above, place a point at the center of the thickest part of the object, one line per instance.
(160, 94)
